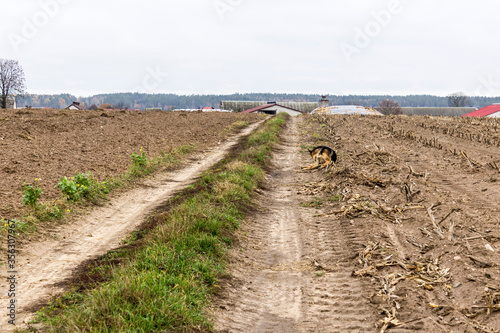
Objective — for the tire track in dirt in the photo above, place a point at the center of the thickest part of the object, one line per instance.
(290, 272)
(335, 300)
(43, 266)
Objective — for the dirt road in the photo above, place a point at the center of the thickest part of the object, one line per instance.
(291, 270)
(43, 266)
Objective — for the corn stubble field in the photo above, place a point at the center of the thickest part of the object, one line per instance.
(415, 198)
(421, 196)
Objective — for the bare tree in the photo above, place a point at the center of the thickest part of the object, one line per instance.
(458, 100)
(389, 107)
(12, 80)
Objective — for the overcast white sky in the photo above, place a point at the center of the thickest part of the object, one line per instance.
(227, 46)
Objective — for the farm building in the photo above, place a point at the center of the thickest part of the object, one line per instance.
(430, 111)
(239, 106)
(207, 109)
(325, 108)
(74, 106)
(273, 108)
(347, 109)
(492, 111)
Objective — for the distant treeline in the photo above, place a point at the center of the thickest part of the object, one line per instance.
(141, 101)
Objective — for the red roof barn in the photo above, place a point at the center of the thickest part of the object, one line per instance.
(489, 111)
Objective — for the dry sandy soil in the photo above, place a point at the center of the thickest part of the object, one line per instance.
(402, 235)
(50, 144)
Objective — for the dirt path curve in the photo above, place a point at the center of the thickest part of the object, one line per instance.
(42, 265)
(290, 271)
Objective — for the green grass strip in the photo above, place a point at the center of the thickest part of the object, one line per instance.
(166, 283)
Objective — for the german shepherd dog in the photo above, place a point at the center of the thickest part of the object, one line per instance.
(323, 158)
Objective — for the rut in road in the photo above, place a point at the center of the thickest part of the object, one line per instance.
(291, 271)
(43, 267)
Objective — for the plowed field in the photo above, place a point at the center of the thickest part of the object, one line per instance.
(50, 144)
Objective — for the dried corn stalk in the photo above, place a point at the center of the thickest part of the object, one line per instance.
(427, 274)
(390, 320)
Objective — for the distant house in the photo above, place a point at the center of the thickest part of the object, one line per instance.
(273, 108)
(207, 109)
(492, 111)
(75, 106)
(211, 109)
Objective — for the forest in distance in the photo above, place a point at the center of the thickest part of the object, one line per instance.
(141, 101)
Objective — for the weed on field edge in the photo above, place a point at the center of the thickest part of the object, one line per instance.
(165, 281)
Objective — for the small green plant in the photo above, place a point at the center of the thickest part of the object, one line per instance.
(186, 149)
(69, 188)
(31, 194)
(83, 186)
(139, 160)
(139, 164)
(16, 225)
